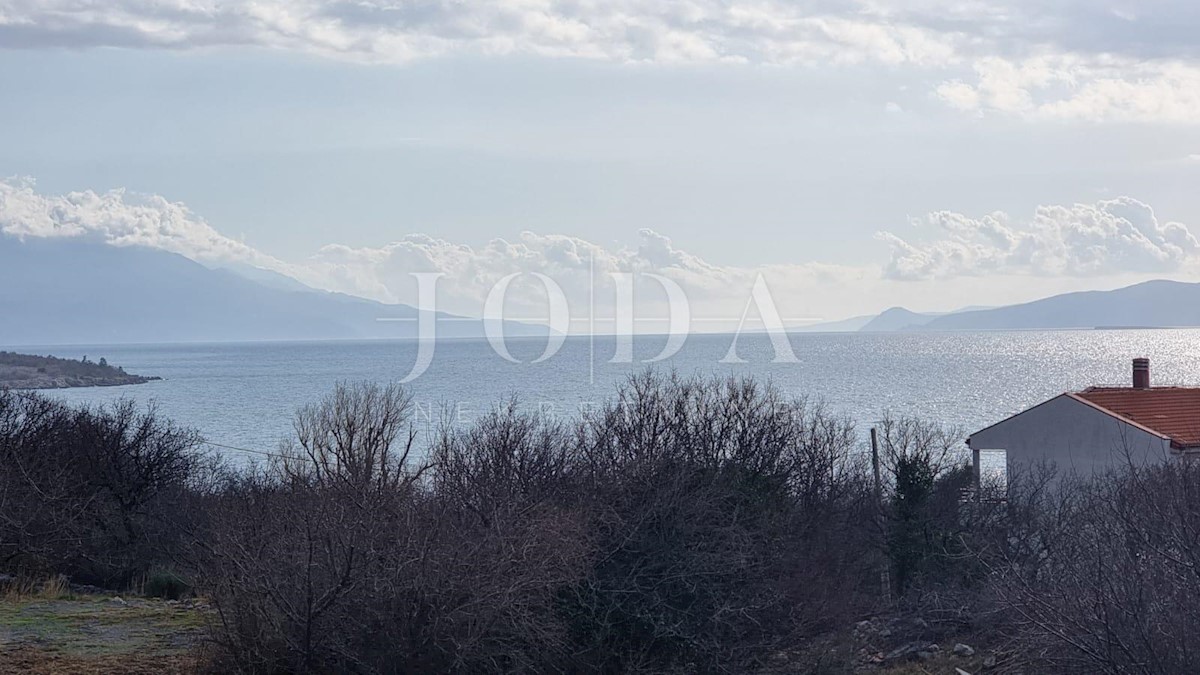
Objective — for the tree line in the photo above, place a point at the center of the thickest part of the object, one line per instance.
(686, 525)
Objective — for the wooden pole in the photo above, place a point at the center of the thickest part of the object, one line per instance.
(885, 581)
(875, 467)
(977, 469)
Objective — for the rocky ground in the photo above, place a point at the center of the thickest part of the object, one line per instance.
(906, 645)
(100, 634)
(74, 630)
(891, 646)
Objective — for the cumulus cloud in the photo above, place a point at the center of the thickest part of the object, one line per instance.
(1113, 238)
(1075, 59)
(118, 218)
(1109, 237)
(582, 268)
(1073, 88)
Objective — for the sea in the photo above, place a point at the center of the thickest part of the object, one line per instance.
(243, 396)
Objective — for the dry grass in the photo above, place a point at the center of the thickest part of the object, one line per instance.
(41, 631)
(22, 589)
(42, 661)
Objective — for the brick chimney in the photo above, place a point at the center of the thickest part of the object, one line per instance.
(1141, 373)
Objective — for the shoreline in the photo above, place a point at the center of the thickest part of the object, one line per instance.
(28, 372)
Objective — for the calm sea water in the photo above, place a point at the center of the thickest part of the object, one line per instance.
(244, 395)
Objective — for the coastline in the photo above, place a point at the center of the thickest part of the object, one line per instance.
(30, 372)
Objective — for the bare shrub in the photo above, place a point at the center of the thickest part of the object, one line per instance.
(689, 524)
(507, 460)
(341, 556)
(905, 439)
(714, 507)
(932, 517)
(348, 443)
(295, 556)
(1112, 585)
(90, 492)
(509, 541)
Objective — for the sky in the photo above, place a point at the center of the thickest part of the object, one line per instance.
(856, 155)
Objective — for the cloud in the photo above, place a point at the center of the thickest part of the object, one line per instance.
(582, 268)
(993, 258)
(118, 218)
(1076, 59)
(1069, 87)
(1110, 237)
(766, 31)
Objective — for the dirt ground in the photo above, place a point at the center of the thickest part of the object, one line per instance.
(94, 635)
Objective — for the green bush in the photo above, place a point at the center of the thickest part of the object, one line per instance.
(166, 585)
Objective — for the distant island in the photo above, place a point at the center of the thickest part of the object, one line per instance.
(1149, 305)
(24, 371)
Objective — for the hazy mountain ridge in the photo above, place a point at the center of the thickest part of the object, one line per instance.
(70, 291)
(1151, 304)
(897, 318)
(849, 325)
(65, 291)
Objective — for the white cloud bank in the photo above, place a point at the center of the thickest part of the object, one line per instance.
(1109, 237)
(119, 218)
(994, 259)
(1074, 59)
(688, 31)
(1069, 87)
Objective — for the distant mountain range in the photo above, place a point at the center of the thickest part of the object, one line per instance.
(71, 291)
(894, 319)
(897, 318)
(1152, 304)
(68, 291)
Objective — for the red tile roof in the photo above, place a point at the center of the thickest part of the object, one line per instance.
(1173, 412)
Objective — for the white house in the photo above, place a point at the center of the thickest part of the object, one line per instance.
(1100, 427)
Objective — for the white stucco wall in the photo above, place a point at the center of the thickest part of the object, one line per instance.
(1072, 434)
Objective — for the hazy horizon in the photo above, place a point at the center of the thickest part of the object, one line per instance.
(858, 156)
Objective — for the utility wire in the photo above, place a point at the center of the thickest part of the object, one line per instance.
(263, 453)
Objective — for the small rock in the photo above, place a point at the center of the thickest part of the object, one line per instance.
(961, 649)
(909, 650)
(88, 589)
(865, 631)
(989, 662)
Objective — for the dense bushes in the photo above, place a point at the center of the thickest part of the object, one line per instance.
(90, 492)
(339, 557)
(686, 525)
(710, 507)
(1107, 576)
